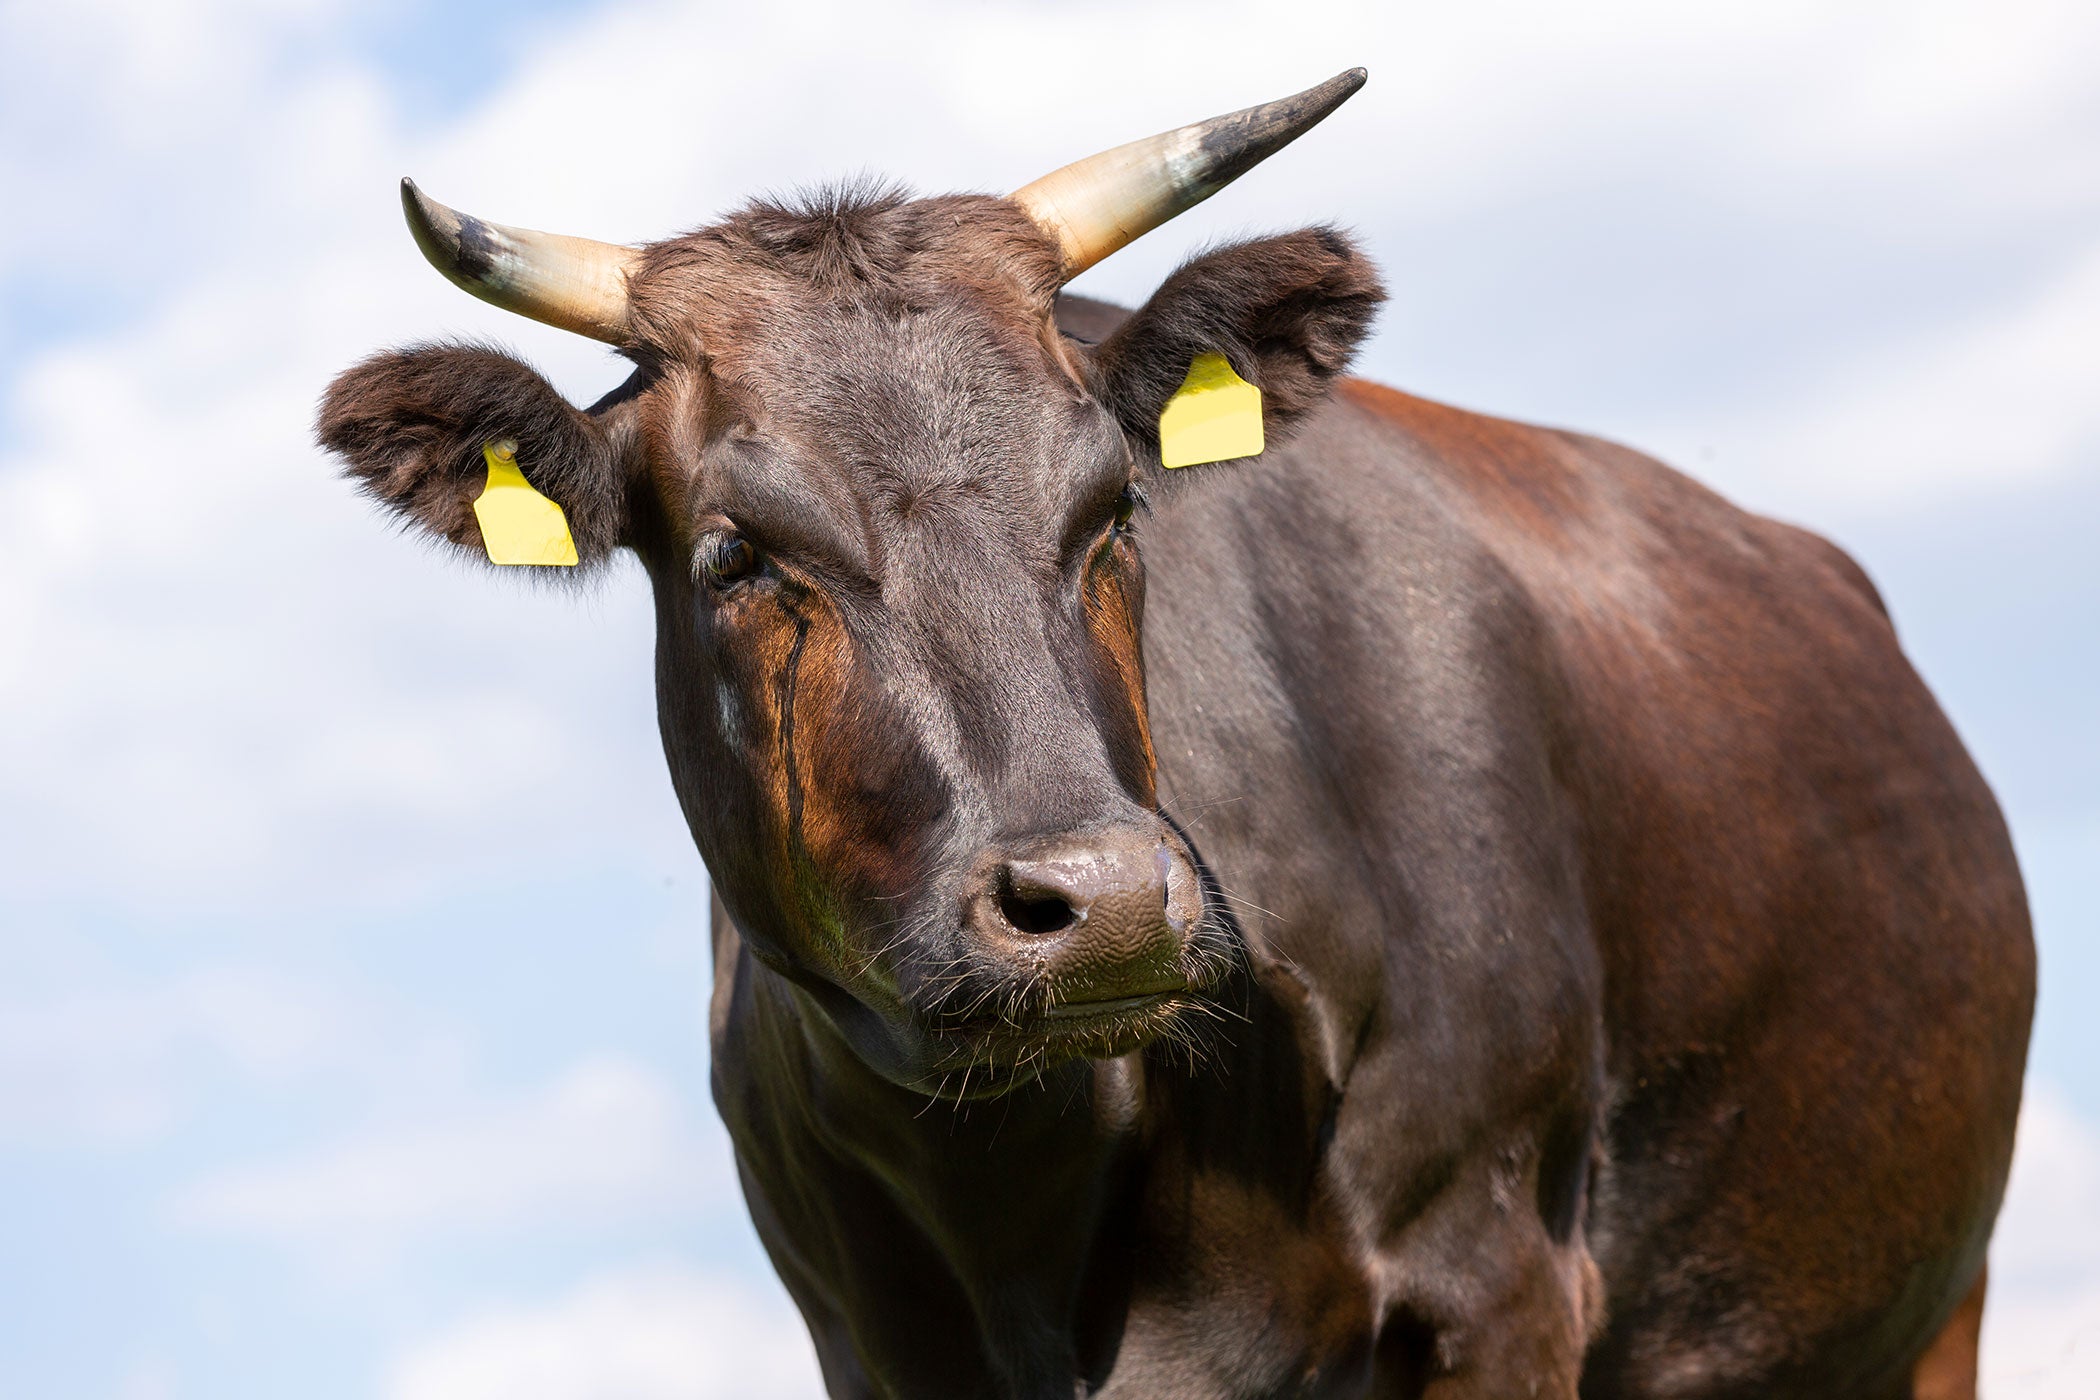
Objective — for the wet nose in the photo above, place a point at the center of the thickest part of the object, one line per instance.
(1105, 916)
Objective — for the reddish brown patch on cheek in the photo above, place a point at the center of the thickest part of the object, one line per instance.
(815, 747)
(760, 642)
(850, 793)
(874, 797)
(1114, 609)
(776, 638)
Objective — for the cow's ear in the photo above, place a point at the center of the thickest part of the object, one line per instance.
(410, 425)
(1287, 313)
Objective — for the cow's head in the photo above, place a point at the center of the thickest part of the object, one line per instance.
(894, 522)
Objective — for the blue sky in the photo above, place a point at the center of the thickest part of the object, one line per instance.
(352, 953)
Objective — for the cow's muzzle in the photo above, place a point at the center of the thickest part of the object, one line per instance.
(1100, 922)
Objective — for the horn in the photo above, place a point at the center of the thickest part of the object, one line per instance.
(572, 283)
(1095, 206)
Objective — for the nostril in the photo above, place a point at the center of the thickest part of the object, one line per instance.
(1047, 914)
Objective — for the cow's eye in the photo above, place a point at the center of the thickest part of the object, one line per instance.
(1126, 508)
(727, 558)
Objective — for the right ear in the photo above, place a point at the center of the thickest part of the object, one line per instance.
(410, 426)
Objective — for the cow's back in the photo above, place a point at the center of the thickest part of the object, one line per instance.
(1437, 688)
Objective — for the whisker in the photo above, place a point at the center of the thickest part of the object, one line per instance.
(1241, 899)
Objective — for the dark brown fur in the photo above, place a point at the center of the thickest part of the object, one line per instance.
(1612, 976)
(411, 425)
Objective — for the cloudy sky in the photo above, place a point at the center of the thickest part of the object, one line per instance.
(351, 948)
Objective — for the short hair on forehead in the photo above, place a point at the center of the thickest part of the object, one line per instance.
(856, 242)
(931, 416)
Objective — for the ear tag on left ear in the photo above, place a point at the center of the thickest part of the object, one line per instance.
(1213, 417)
(518, 524)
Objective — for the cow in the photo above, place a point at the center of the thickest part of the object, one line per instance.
(1438, 907)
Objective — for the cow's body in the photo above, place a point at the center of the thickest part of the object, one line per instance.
(1638, 967)
(1496, 922)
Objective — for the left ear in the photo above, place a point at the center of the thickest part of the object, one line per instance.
(410, 427)
(1288, 313)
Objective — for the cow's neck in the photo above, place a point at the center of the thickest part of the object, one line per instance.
(1012, 1192)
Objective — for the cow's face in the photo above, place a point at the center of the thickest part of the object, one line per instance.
(899, 596)
(895, 524)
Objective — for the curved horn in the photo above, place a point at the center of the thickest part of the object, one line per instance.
(572, 283)
(1095, 206)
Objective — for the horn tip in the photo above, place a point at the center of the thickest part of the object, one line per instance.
(415, 204)
(436, 236)
(1338, 89)
(1317, 103)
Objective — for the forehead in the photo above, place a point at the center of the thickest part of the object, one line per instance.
(896, 351)
(921, 395)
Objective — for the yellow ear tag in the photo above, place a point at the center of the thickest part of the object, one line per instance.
(1213, 417)
(518, 524)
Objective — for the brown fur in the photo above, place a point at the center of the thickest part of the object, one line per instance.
(410, 426)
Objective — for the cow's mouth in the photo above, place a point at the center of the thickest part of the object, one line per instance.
(1100, 1030)
(1076, 1013)
(1108, 1029)
(989, 1059)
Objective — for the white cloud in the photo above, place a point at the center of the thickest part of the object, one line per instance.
(2049, 1232)
(2043, 1348)
(1995, 402)
(609, 1140)
(658, 1333)
(152, 1379)
(2041, 1337)
(119, 1064)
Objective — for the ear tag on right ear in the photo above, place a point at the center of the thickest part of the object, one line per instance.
(518, 524)
(1213, 417)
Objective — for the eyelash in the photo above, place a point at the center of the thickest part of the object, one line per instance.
(1139, 503)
